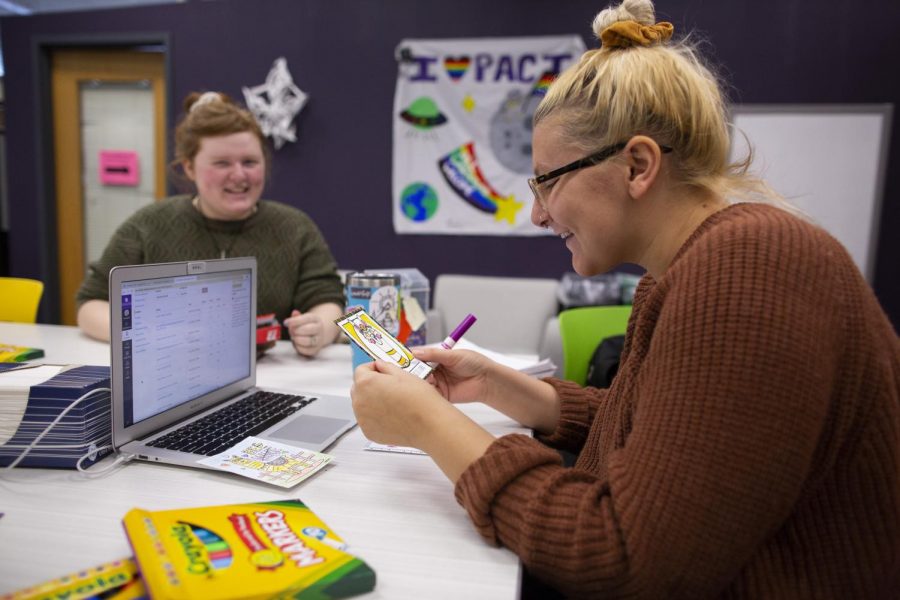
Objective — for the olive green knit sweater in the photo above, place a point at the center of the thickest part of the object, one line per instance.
(749, 446)
(295, 266)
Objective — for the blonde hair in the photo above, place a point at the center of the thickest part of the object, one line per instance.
(661, 90)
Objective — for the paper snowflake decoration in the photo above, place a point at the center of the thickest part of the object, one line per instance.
(276, 103)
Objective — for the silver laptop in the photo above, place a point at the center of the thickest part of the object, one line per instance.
(183, 343)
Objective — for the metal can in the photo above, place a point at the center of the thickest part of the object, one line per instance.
(379, 295)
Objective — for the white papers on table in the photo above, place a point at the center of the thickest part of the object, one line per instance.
(66, 416)
(526, 363)
(391, 448)
(15, 385)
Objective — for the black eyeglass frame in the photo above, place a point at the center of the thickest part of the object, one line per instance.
(588, 161)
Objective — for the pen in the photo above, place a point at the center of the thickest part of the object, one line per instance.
(457, 333)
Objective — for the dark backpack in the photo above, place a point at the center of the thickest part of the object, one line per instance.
(605, 361)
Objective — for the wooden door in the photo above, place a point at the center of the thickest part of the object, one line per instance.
(72, 73)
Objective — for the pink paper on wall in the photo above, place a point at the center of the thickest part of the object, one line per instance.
(119, 167)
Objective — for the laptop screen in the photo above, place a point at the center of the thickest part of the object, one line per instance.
(183, 337)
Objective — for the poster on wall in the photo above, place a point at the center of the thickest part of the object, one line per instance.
(462, 131)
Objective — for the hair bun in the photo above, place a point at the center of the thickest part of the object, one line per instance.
(631, 23)
(629, 10)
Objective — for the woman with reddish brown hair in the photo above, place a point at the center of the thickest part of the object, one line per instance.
(222, 152)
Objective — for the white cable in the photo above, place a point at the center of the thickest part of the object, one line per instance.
(120, 458)
(58, 418)
(46, 447)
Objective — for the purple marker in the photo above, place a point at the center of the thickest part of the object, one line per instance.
(457, 333)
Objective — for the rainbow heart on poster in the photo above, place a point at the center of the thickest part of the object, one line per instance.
(456, 66)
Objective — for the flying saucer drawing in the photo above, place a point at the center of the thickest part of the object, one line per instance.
(423, 113)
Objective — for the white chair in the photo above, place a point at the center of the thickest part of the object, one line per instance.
(512, 312)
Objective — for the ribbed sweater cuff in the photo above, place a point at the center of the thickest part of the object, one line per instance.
(574, 417)
(505, 459)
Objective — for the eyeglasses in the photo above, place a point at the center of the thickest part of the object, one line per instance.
(537, 183)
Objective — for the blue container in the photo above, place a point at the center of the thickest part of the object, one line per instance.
(379, 295)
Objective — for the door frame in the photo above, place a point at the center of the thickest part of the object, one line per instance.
(42, 49)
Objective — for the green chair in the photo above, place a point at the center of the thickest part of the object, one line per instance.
(582, 329)
(19, 299)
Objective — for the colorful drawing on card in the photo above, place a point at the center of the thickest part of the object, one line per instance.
(368, 334)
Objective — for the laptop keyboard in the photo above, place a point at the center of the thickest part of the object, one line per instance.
(224, 428)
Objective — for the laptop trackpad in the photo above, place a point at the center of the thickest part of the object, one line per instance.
(308, 428)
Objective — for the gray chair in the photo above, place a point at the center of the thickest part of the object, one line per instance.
(512, 312)
(551, 345)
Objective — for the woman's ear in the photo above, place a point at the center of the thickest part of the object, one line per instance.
(188, 168)
(643, 158)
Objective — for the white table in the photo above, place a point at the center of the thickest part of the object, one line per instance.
(396, 511)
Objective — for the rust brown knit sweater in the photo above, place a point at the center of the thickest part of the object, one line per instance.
(748, 448)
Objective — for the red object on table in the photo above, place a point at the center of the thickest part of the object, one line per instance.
(268, 329)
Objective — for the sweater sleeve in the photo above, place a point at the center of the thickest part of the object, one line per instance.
(729, 407)
(578, 407)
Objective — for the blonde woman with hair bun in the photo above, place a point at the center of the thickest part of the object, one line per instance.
(222, 156)
(749, 446)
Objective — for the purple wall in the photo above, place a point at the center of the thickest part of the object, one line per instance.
(341, 53)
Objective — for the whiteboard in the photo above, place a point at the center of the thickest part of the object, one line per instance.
(827, 160)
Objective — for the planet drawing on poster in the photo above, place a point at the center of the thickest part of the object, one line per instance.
(510, 129)
(419, 201)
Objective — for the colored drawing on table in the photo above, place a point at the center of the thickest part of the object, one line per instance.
(268, 461)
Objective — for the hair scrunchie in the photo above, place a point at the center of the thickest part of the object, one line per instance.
(624, 34)
(206, 98)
